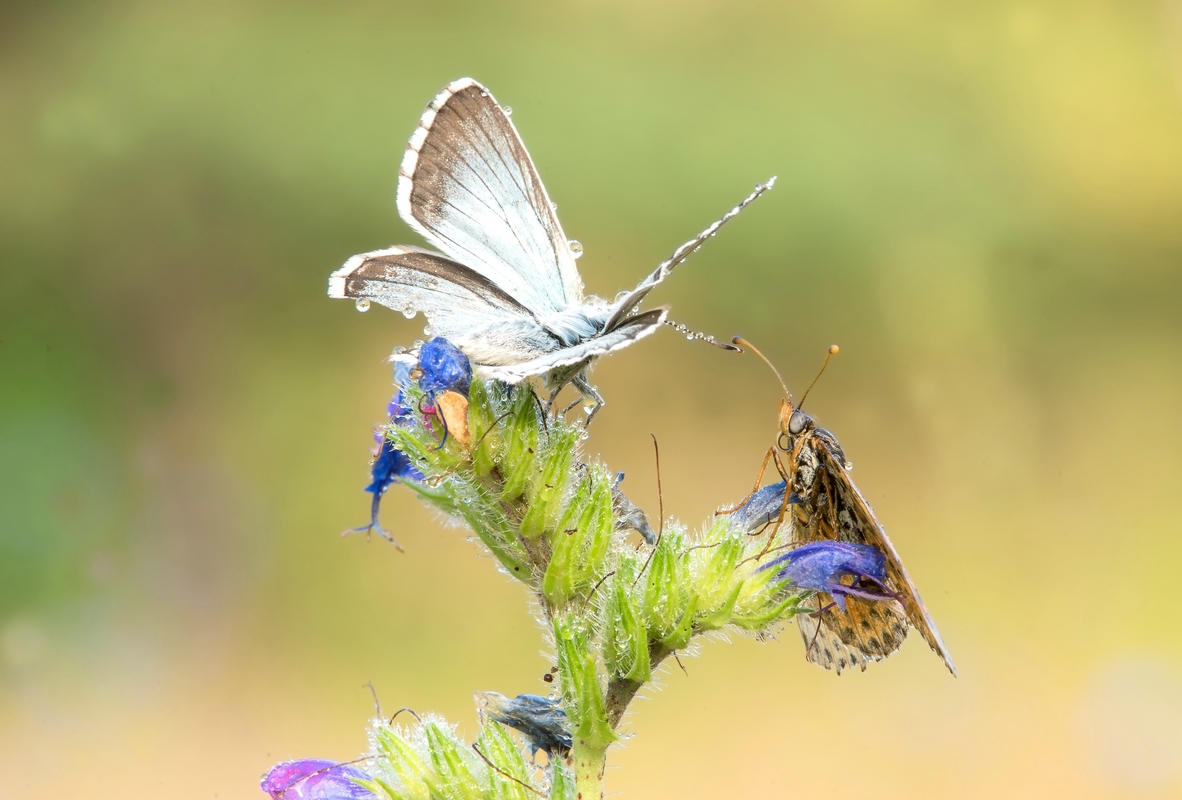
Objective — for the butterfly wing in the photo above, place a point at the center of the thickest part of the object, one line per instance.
(468, 185)
(466, 307)
(624, 334)
(873, 627)
(867, 631)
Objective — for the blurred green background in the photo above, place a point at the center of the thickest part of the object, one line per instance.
(980, 202)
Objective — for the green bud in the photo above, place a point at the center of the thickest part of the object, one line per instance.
(580, 545)
(546, 491)
(508, 777)
(482, 429)
(518, 458)
(626, 645)
(582, 694)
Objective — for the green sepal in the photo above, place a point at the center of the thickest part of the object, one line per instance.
(562, 782)
(546, 489)
(518, 456)
(625, 650)
(582, 695)
(483, 429)
(451, 762)
(484, 515)
(665, 587)
(579, 545)
(406, 763)
(509, 767)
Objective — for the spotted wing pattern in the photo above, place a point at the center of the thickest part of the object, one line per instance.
(832, 508)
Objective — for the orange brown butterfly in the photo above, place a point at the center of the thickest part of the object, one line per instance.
(820, 502)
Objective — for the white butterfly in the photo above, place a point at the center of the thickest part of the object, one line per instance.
(505, 289)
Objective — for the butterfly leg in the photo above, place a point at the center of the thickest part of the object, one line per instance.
(784, 504)
(580, 382)
(771, 452)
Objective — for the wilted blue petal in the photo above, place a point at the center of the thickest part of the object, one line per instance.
(444, 367)
(762, 509)
(315, 779)
(391, 464)
(539, 719)
(820, 566)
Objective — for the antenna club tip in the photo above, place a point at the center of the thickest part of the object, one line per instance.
(834, 349)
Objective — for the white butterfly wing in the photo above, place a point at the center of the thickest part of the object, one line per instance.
(468, 185)
(467, 308)
(625, 333)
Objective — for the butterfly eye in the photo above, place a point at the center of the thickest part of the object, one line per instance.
(798, 422)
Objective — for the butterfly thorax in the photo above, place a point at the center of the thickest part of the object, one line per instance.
(801, 437)
(578, 323)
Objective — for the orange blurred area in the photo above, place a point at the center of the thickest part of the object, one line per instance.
(979, 202)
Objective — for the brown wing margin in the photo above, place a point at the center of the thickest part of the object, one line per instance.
(897, 578)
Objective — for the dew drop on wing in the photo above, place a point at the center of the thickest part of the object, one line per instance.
(362, 305)
(554, 207)
(576, 248)
(432, 284)
(408, 312)
(508, 111)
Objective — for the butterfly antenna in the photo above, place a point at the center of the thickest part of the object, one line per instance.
(683, 252)
(691, 335)
(833, 350)
(741, 342)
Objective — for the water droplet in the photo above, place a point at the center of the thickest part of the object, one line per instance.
(508, 111)
(848, 465)
(689, 336)
(399, 350)
(408, 312)
(427, 331)
(432, 283)
(576, 248)
(362, 305)
(554, 207)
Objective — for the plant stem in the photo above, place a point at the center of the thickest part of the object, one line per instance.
(588, 760)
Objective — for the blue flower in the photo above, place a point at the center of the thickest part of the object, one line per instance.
(389, 465)
(441, 367)
(444, 367)
(315, 779)
(820, 566)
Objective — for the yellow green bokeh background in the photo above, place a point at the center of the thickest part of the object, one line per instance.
(980, 202)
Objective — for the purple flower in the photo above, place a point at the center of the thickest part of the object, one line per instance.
(444, 367)
(315, 779)
(820, 566)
